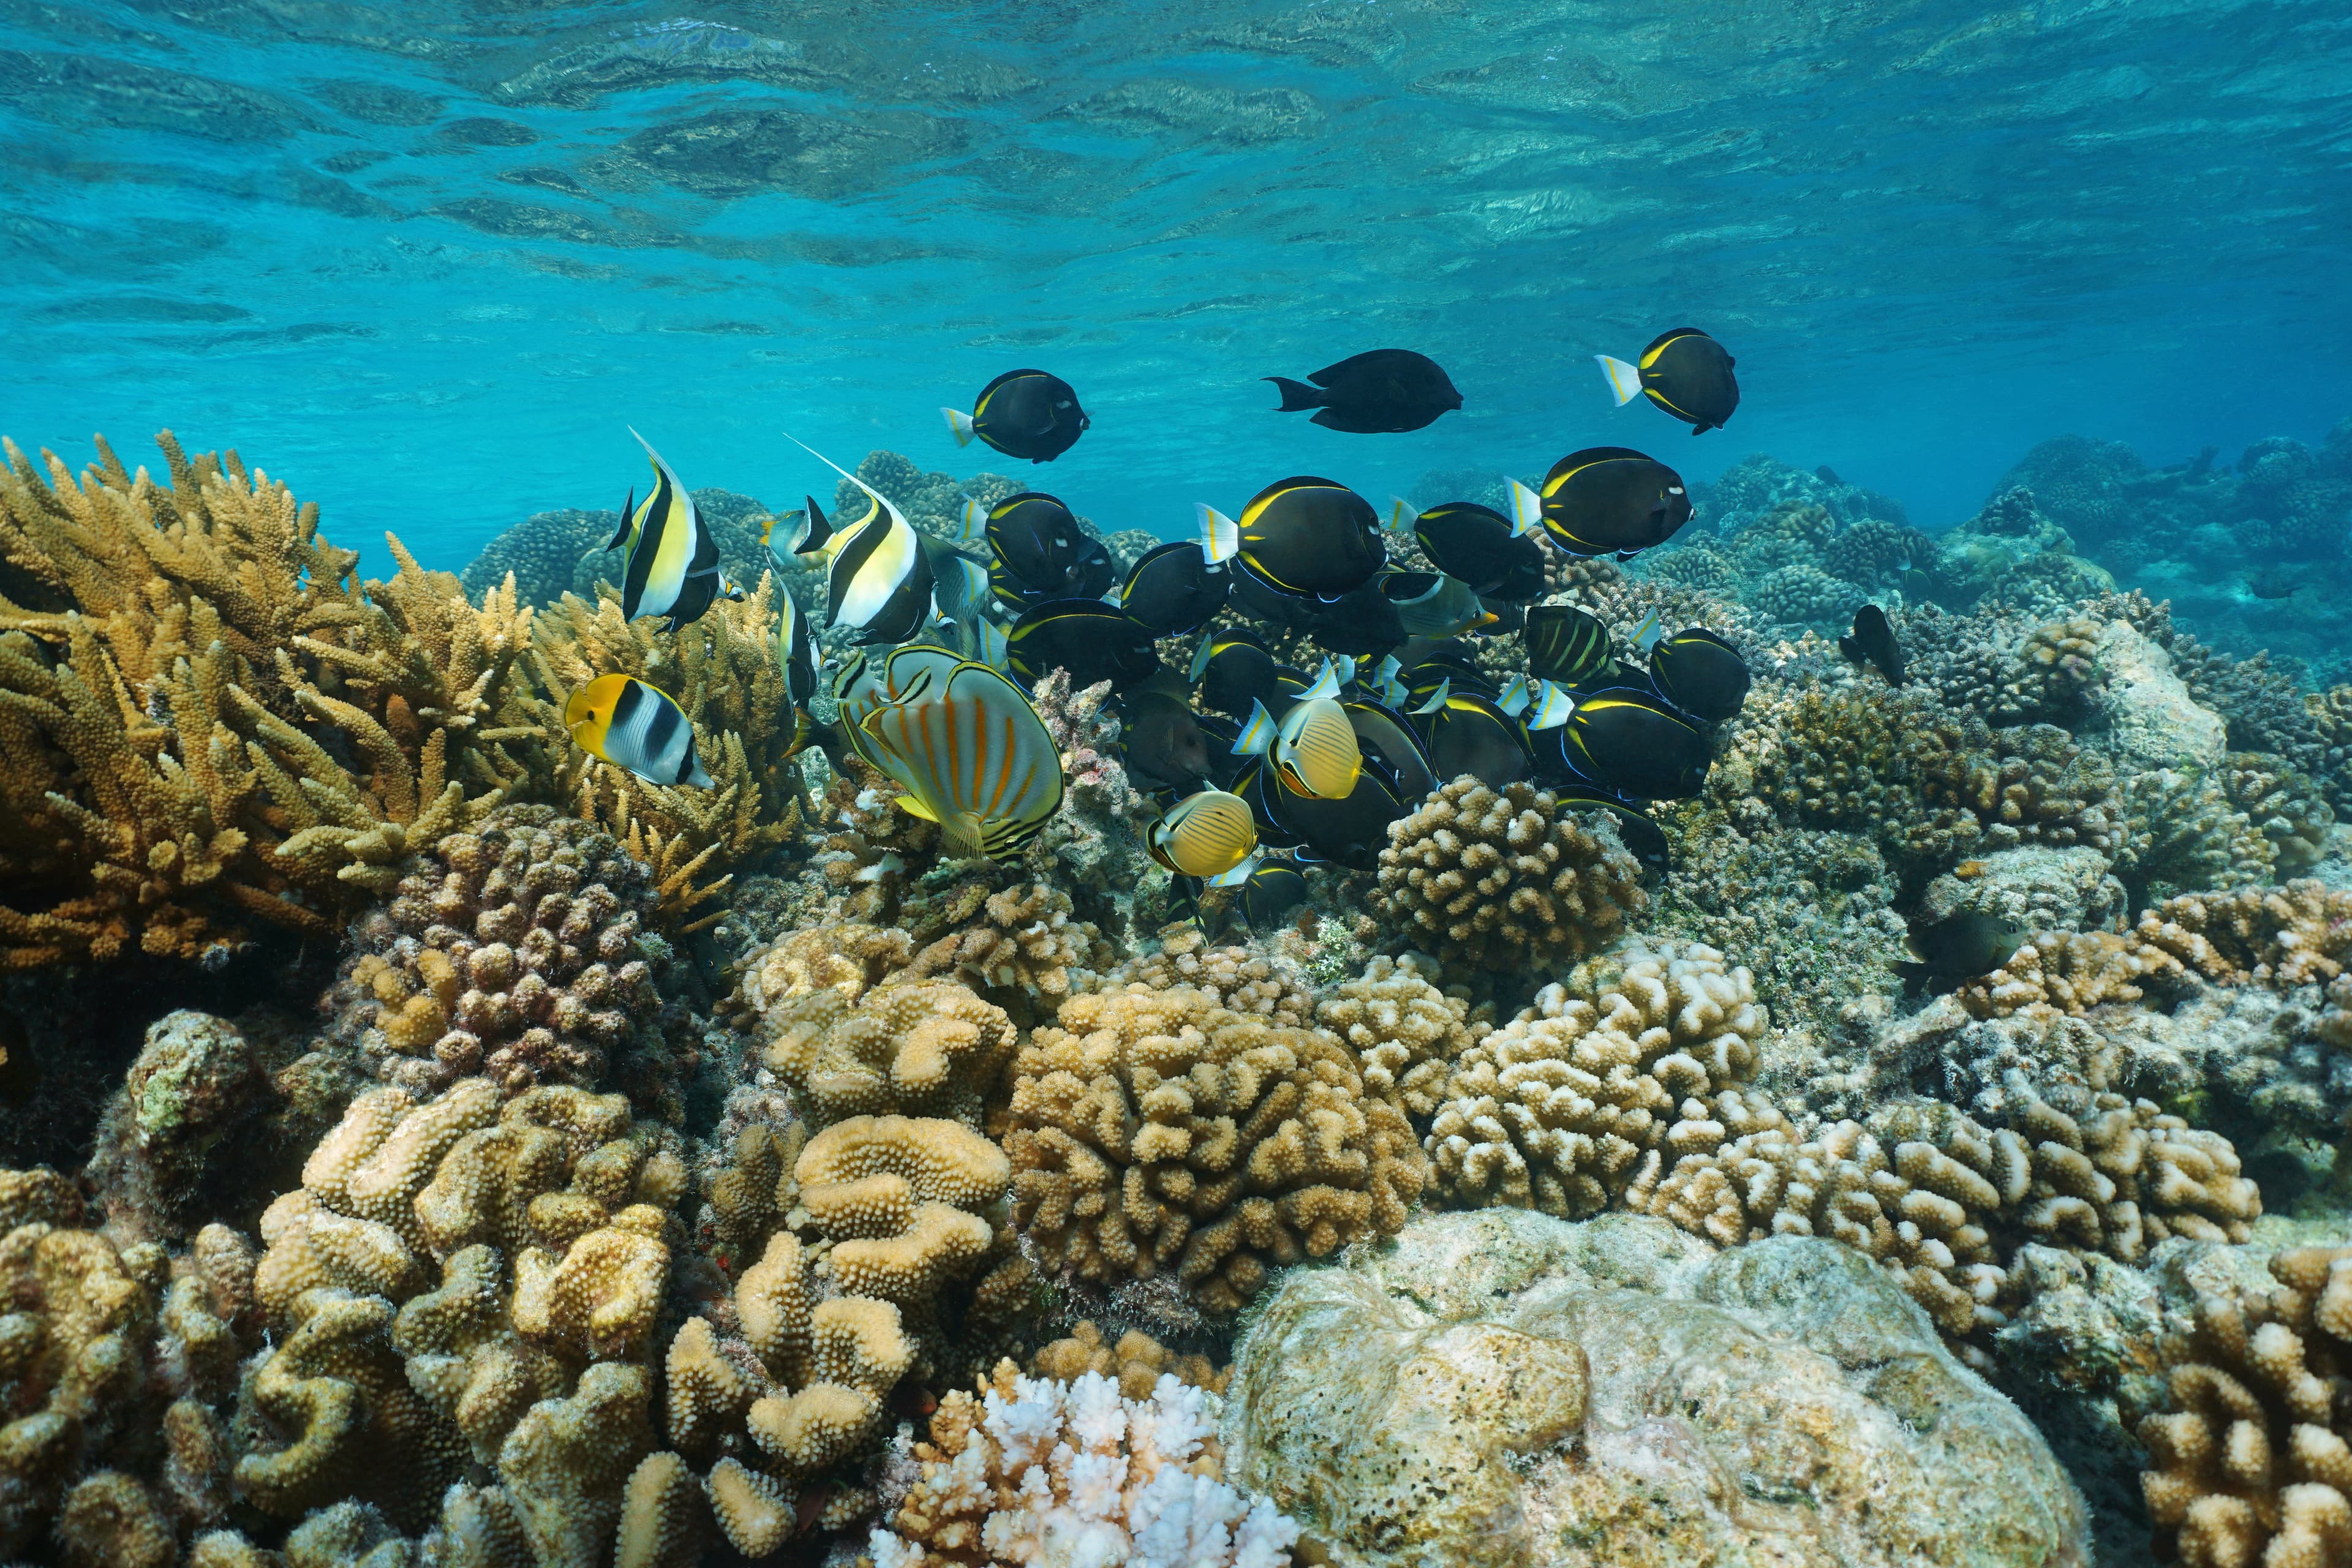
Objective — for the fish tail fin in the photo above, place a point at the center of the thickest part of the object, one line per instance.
(1257, 735)
(628, 508)
(971, 521)
(959, 425)
(1200, 665)
(1296, 395)
(1400, 510)
(1239, 874)
(1221, 536)
(1527, 509)
(1437, 698)
(1624, 380)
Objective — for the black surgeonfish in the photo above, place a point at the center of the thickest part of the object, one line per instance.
(1359, 622)
(1382, 392)
(1565, 645)
(1254, 783)
(1162, 739)
(1039, 551)
(1302, 536)
(1612, 499)
(1272, 890)
(1701, 674)
(1174, 589)
(1381, 732)
(1092, 640)
(1235, 668)
(1471, 735)
(1684, 372)
(1632, 744)
(1636, 829)
(1023, 413)
(1352, 830)
(1873, 641)
(1499, 560)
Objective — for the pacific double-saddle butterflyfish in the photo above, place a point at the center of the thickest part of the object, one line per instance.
(1205, 835)
(1233, 669)
(1469, 735)
(672, 565)
(879, 581)
(1700, 673)
(1353, 829)
(798, 653)
(1313, 747)
(1684, 372)
(1092, 640)
(1434, 604)
(1173, 589)
(1382, 732)
(637, 727)
(1305, 537)
(972, 756)
(1566, 644)
(1632, 744)
(1275, 888)
(1636, 829)
(1380, 392)
(1023, 413)
(1501, 558)
(1614, 501)
(1871, 641)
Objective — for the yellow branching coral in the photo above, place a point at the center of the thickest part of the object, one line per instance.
(1156, 1130)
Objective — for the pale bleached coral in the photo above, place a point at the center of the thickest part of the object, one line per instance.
(1038, 1470)
(1406, 1033)
(1503, 879)
(1155, 1130)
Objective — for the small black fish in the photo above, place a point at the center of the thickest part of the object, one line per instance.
(1267, 607)
(1174, 589)
(1352, 830)
(1684, 372)
(1040, 552)
(1359, 622)
(1379, 393)
(1305, 537)
(1092, 640)
(1162, 739)
(1612, 499)
(1254, 785)
(1497, 558)
(1234, 669)
(1965, 945)
(1701, 674)
(1636, 829)
(1272, 890)
(1471, 735)
(1565, 645)
(1873, 641)
(1382, 732)
(1634, 746)
(1023, 413)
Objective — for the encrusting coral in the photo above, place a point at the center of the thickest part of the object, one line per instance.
(1501, 879)
(1040, 1470)
(2252, 1463)
(1136, 1363)
(1155, 1129)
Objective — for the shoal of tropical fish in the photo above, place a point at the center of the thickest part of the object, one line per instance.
(1261, 766)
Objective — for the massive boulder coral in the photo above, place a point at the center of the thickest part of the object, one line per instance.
(522, 952)
(1038, 1470)
(1561, 1108)
(1156, 1130)
(1504, 1388)
(1503, 879)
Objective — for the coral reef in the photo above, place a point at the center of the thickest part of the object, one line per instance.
(912, 1049)
(1407, 1034)
(1508, 1388)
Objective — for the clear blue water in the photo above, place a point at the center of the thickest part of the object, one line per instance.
(425, 261)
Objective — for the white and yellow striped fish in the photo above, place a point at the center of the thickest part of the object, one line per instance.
(798, 653)
(972, 756)
(881, 579)
(1314, 748)
(1206, 834)
(634, 726)
(672, 565)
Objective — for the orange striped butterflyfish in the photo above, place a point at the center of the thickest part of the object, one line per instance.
(971, 756)
(634, 726)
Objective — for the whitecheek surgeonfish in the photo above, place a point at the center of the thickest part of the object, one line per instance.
(672, 565)
(634, 726)
(970, 754)
(880, 582)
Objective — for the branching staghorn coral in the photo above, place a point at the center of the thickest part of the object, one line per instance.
(1156, 1130)
(211, 720)
(1502, 880)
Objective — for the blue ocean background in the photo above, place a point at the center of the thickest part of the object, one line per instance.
(426, 262)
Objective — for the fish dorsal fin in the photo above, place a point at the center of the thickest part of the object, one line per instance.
(1527, 509)
(877, 498)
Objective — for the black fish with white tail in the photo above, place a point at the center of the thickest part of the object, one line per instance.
(1684, 372)
(1023, 413)
(1500, 557)
(1632, 745)
(1384, 391)
(1302, 537)
(1700, 673)
(1871, 641)
(1174, 589)
(1612, 500)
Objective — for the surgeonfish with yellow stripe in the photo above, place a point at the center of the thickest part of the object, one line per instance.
(1499, 557)
(1275, 888)
(1634, 745)
(1233, 668)
(1174, 589)
(1303, 537)
(1469, 735)
(1700, 673)
(880, 582)
(634, 726)
(1684, 372)
(1313, 749)
(1607, 500)
(1206, 834)
(971, 756)
(672, 565)
(1023, 413)
(1092, 640)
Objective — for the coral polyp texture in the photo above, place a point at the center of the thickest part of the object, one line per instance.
(1154, 1130)
(1503, 879)
(916, 1048)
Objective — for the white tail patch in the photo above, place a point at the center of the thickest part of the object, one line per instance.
(971, 522)
(1437, 698)
(1516, 695)
(1553, 707)
(1327, 682)
(1221, 536)
(1257, 735)
(1238, 874)
(959, 425)
(1527, 509)
(1400, 512)
(1624, 380)
(1648, 634)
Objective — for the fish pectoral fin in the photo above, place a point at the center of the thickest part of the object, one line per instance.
(914, 808)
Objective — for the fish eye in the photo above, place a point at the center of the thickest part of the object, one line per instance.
(1064, 403)
(1673, 490)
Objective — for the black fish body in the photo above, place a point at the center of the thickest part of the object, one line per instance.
(1382, 392)
(1310, 538)
(1272, 890)
(1636, 829)
(1631, 745)
(1689, 374)
(1092, 640)
(1241, 671)
(1173, 589)
(1565, 645)
(1873, 641)
(1029, 414)
(1353, 830)
(1612, 499)
(1360, 621)
(1471, 735)
(1163, 741)
(1701, 674)
(1475, 543)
